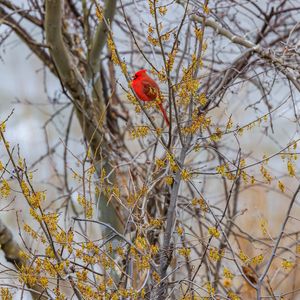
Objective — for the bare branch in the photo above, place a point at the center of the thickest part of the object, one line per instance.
(263, 53)
(72, 79)
(34, 46)
(12, 251)
(100, 37)
(22, 12)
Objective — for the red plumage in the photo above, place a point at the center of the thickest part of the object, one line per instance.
(148, 90)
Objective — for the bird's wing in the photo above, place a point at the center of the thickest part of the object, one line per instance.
(150, 90)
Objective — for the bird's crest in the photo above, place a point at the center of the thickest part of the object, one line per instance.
(139, 73)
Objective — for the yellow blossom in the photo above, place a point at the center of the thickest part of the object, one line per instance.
(227, 273)
(206, 9)
(91, 170)
(281, 186)
(169, 180)
(184, 251)
(5, 294)
(86, 205)
(99, 13)
(153, 41)
(52, 221)
(36, 198)
(291, 169)
(28, 275)
(162, 76)
(232, 296)
(240, 131)
(112, 48)
(286, 264)
(157, 223)
(202, 99)
(229, 123)
(214, 232)
(162, 10)
(195, 201)
(210, 289)
(143, 263)
(35, 215)
(265, 174)
(244, 176)
(102, 177)
(256, 260)
(171, 59)
(227, 282)
(160, 163)
(243, 256)
(185, 175)
(189, 86)
(43, 282)
(5, 189)
(155, 276)
(25, 189)
(49, 252)
(140, 131)
(29, 230)
(203, 204)
(215, 254)
(132, 99)
(143, 293)
(179, 230)
(150, 29)
(198, 33)
(197, 147)
(151, 7)
(141, 243)
(217, 135)
(166, 36)
(154, 249)
(24, 255)
(221, 170)
(264, 226)
(2, 127)
(82, 276)
(21, 163)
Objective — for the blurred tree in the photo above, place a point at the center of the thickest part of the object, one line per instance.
(168, 200)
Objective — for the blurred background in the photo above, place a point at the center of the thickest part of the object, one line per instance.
(35, 96)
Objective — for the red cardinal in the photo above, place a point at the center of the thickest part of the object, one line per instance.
(147, 90)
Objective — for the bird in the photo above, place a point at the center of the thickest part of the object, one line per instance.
(147, 89)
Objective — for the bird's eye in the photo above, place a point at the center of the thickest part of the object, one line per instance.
(134, 77)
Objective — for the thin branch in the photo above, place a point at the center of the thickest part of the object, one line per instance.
(22, 12)
(262, 52)
(263, 275)
(11, 251)
(27, 39)
(100, 38)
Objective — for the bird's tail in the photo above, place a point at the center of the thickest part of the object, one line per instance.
(164, 114)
